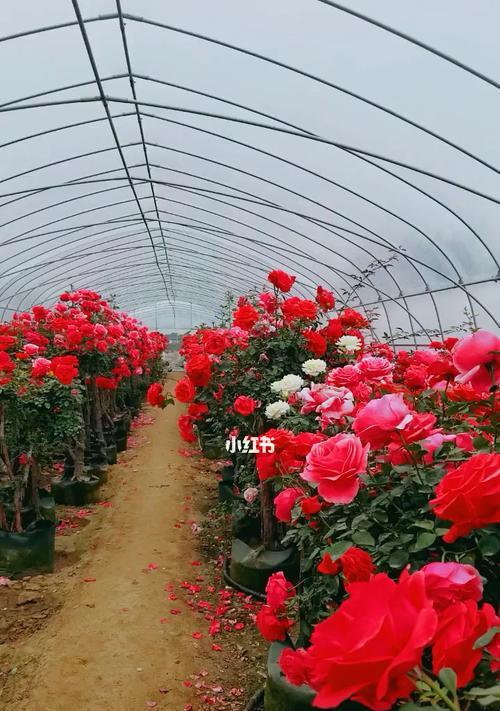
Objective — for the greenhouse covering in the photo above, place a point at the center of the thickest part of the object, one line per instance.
(167, 152)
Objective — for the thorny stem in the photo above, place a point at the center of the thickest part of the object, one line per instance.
(452, 704)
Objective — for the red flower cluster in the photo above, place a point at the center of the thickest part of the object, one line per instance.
(272, 619)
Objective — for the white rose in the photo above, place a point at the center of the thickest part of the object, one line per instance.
(349, 344)
(314, 367)
(277, 409)
(290, 384)
(276, 386)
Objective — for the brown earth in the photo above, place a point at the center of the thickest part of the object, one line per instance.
(99, 633)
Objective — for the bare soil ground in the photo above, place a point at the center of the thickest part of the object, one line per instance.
(136, 615)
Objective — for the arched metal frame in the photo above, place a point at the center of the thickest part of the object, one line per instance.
(180, 266)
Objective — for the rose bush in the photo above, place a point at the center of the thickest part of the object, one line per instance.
(385, 475)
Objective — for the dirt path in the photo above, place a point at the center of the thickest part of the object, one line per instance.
(114, 645)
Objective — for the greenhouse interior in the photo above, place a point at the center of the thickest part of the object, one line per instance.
(250, 355)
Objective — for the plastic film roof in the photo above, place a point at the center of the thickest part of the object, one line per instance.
(167, 151)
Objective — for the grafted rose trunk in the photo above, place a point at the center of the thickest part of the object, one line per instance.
(269, 525)
(78, 452)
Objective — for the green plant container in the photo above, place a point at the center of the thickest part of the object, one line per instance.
(76, 492)
(111, 452)
(30, 552)
(250, 568)
(280, 695)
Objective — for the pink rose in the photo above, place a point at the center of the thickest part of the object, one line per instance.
(374, 368)
(478, 360)
(334, 465)
(348, 376)
(447, 583)
(380, 418)
(250, 494)
(284, 503)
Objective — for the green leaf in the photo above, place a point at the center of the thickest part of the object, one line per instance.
(428, 525)
(449, 678)
(489, 545)
(424, 540)
(339, 548)
(398, 559)
(363, 538)
(486, 637)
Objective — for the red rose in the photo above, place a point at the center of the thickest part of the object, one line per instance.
(281, 280)
(278, 591)
(333, 330)
(184, 390)
(197, 410)
(6, 342)
(155, 396)
(270, 626)
(380, 418)
(334, 465)
(357, 565)
(315, 342)
(310, 505)
(65, 368)
(447, 583)
(284, 503)
(215, 343)
(245, 317)
(415, 377)
(365, 650)
(185, 425)
(469, 496)
(328, 566)
(420, 427)
(104, 383)
(477, 358)
(293, 664)
(460, 626)
(325, 299)
(295, 309)
(244, 405)
(199, 369)
(350, 318)
(40, 367)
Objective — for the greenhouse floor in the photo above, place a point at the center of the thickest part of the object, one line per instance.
(122, 637)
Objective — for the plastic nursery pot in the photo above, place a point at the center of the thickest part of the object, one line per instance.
(250, 568)
(99, 471)
(226, 492)
(76, 492)
(111, 451)
(30, 552)
(280, 695)
(28, 515)
(121, 441)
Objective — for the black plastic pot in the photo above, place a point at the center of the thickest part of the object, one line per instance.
(111, 452)
(28, 515)
(251, 568)
(30, 552)
(121, 442)
(243, 525)
(209, 446)
(226, 492)
(76, 492)
(280, 695)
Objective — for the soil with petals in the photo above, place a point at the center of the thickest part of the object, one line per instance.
(136, 615)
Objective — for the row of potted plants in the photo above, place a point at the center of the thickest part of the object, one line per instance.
(365, 486)
(71, 378)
